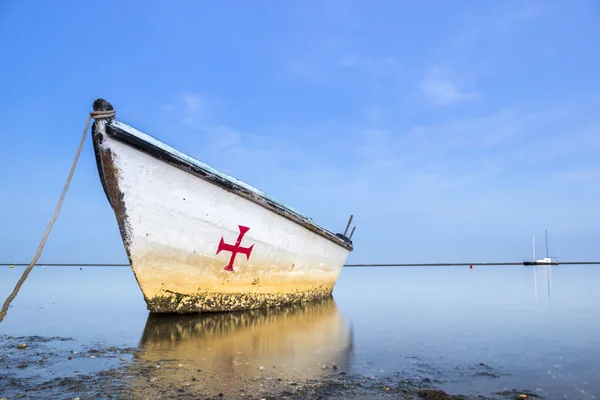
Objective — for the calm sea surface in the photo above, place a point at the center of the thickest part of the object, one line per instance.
(531, 327)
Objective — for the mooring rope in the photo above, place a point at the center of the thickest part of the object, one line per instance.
(95, 115)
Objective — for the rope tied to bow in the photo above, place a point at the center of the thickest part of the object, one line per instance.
(93, 114)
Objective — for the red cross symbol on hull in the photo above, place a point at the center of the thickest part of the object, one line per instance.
(236, 248)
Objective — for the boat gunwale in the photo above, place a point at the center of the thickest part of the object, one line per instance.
(255, 196)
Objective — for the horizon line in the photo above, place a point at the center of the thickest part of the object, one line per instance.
(345, 265)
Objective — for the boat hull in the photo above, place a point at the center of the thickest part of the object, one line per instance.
(198, 246)
(540, 263)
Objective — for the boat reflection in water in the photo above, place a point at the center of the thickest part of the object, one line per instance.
(241, 352)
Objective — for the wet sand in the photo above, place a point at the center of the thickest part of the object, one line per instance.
(37, 370)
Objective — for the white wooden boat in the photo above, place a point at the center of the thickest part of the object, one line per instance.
(199, 240)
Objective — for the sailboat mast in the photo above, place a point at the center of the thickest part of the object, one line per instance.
(546, 243)
(533, 246)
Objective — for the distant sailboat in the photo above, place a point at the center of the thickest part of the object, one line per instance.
(542, 261)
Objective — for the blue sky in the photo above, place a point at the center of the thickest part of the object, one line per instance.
(452, 130)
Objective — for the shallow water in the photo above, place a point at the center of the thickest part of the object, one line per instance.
(472, 331)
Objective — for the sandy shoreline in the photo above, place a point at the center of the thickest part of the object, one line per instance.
(44, 369)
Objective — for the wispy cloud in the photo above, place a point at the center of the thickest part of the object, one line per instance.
(441, 91)
(477, 133)
(191, 109)
(581, 175)
(483, 39)
(194, 108)
(349, 61)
